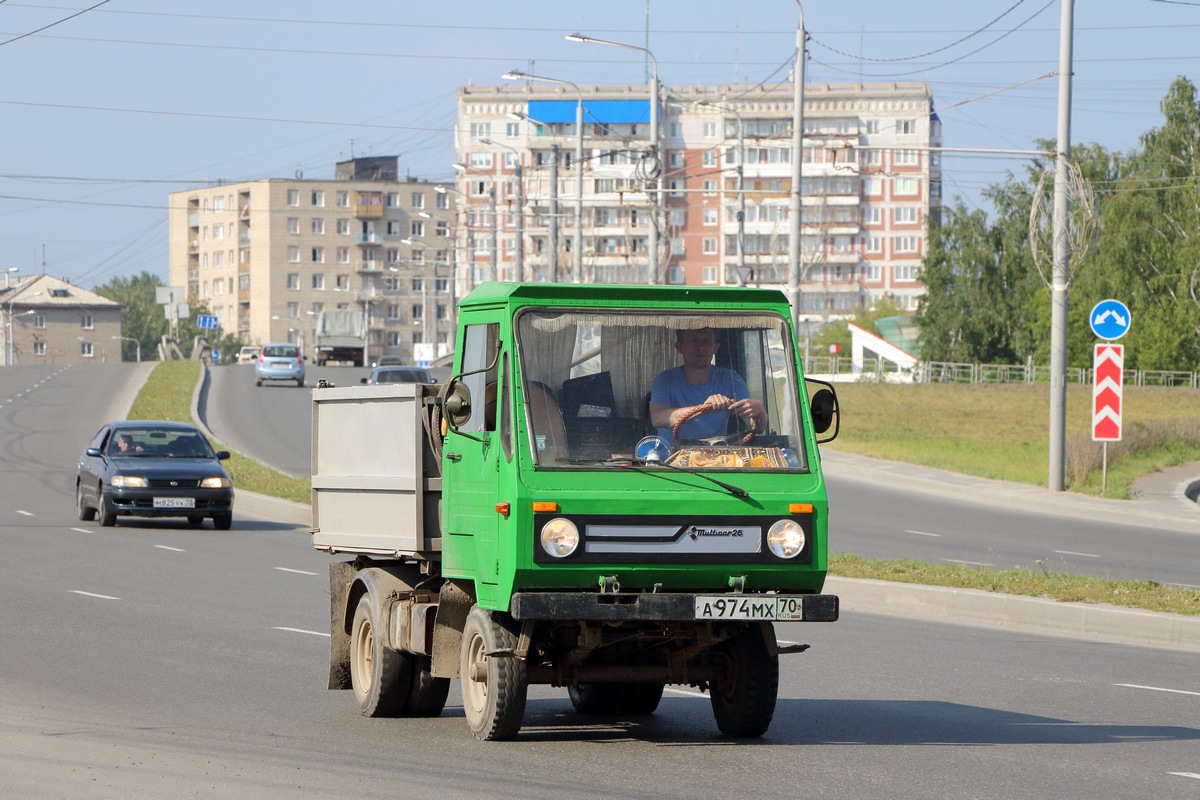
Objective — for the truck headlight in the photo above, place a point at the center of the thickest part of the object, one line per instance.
(560, 537)
(786, 538)
(129, 481)
(216, 482)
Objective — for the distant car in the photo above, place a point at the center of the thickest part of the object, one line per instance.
(147, 468)
(388, 361)
(399, 375)
(248, 354)
(279, 362)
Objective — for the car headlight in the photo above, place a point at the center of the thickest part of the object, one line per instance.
(560, 537)
(786, 538)
(216, 482)
(129, 482)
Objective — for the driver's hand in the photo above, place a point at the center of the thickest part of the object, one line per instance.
(719, 402)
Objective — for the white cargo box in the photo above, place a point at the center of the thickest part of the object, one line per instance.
(370, 491)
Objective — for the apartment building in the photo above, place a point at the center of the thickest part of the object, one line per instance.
(268, 256)
(46, 320)
(724, 180)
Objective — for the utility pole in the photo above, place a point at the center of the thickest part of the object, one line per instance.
(553, 232)
(1059, 284)
(795, 223)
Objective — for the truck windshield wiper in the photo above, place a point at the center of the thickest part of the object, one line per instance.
(634, 463)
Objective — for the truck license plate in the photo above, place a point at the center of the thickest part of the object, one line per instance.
(749, 607)
(174, 502)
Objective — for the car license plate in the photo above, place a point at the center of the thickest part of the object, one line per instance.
(174, 502)
(758, 607)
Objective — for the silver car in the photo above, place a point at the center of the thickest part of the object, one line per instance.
(279, 362)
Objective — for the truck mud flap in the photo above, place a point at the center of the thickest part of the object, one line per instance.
(618, 607)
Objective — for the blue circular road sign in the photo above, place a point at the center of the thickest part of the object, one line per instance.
(1110, 319)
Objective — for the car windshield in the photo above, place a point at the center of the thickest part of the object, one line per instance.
(280, 351)
(600, 387)
(159, 443)
(401, 375)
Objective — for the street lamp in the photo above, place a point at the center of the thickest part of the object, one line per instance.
(11, 346)
(655, 169)
(136, 342)
(463, 168)
(519, 261)
(578, 243)
(741, 183)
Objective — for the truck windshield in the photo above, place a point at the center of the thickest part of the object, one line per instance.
(711, 391)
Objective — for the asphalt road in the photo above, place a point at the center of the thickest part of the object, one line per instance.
(152, 660)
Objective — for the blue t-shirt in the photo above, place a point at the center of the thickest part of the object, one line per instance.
(672, 389)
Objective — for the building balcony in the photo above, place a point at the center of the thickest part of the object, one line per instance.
(366, 239)
(243, 239)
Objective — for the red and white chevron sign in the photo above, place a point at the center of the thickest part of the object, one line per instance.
(1108, 364)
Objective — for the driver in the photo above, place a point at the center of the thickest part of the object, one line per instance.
(678, 390)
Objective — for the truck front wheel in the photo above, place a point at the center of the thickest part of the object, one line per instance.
(743, 696)
(379, 675)
(494, 686)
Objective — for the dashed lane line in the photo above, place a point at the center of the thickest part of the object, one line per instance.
(93, 594)
(25, 513)
(1073, 553)
(1156, 689)
(925, 533)
(301, 630)
(172, 549)
(296, 571)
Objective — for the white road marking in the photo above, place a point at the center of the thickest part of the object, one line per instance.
(1156, 689)
(968, 563)
(24, 513)
(301, 630)
(172, 549)
(1186, 775)
(923, 533)
(297, 571)
(1073, 553)
(685, 692)
(93, 594)
(82, 530)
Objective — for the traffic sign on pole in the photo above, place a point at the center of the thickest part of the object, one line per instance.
(1108, 365)
(1110, 319)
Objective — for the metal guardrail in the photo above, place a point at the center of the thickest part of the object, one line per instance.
(843, 368)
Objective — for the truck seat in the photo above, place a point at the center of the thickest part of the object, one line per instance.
(547, 422)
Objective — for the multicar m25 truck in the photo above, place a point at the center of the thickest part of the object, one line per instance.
(526, 522)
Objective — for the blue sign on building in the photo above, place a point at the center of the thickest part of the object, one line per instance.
(1110, 319)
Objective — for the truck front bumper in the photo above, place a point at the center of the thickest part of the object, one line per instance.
(673, 607)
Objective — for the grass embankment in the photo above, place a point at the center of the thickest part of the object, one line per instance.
(168, 395)
(992, 431)
(1001, 431)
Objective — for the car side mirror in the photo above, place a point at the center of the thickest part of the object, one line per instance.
(222, 455)
(94, 452)
(456, 403)
(825, 412)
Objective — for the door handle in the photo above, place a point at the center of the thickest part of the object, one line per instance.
(455, 457)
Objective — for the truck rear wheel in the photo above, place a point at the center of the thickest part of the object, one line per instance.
(494, 686)
(427, 694)
(380, 676)
(743, 698)
(594, 699)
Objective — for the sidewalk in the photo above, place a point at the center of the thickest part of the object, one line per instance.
(1166, 499)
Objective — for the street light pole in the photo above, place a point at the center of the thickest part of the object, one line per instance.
(136, 342)
(795, 205)
(514, 75)
(655, 165)
(11, 346)
(519, 260)
(463, 168)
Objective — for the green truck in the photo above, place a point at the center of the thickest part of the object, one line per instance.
(555, 514)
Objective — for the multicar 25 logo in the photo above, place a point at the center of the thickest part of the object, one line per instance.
(695, 532)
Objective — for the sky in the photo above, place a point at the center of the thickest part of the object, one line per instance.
(108, 106)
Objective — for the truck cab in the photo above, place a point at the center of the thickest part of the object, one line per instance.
(628, 494)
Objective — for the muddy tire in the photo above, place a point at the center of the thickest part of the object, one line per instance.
(494, 687)
(426, 694)
(597, 699)
(379, 676)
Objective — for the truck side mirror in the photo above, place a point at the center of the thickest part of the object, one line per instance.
(825, 412)
(457, 403)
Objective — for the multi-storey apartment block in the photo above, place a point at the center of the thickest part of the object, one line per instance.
(869, 179)
(267, 256)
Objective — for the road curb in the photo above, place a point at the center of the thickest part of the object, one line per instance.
(1013, 612)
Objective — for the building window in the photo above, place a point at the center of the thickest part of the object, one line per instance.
(709, 246)
(675, 159)
(39, 321)
(343, 282)
(906, 158)
(481, 130)
(873, 244)
(293, 197)
(318, 199)
(293, 281)
(318, 281)
(392, 200)
(710, 187)
(293, 225)
(418, 199)
(905, 186)
(443, 228)
(676, 188)
(709, 216)
(481, 160)
(318, 255)
(86, 322)
(906, 126)
(393, 255)
(418, 228)
(318, 226)
(708, 158)
(443, 201)
(293, 310)
(342, 199)
(343, 255)
(293, 255)
(394, 228)
(39, 348)
(85, 349)
(906, 244)
(904, 214)
(708, 275)
(343, 227)
(710, 130)
(905, 272)
(677, 246)
(678, 217)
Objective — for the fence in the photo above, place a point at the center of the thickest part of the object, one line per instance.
(843, 368)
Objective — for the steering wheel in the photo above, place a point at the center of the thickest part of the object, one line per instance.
(708, 408)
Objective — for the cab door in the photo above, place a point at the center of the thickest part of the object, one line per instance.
(472, 460)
